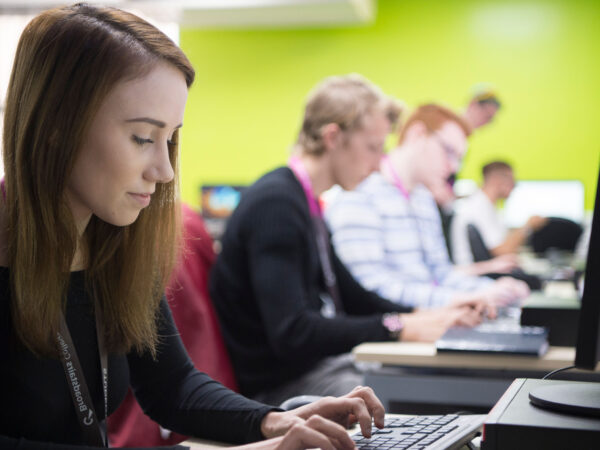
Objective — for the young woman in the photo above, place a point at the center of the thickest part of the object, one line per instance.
(88, 236)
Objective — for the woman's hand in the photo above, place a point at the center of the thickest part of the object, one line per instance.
(360, 405)
(315, 432)
(323, 423)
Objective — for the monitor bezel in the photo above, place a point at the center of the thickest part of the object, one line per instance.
(587, 350)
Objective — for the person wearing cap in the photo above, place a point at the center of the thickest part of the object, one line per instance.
(482, 108)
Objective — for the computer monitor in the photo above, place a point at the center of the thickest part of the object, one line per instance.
(218, 202)
(583, 399)
(546, 198)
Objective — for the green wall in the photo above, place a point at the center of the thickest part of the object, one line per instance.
(543, 57)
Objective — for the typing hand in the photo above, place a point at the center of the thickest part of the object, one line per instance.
(315, 432)
(360, 405)
(428, 325)
(322, 423)
(478, 301)
(506, 290)
(502, 263)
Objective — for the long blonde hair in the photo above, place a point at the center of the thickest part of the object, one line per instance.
(67, 61)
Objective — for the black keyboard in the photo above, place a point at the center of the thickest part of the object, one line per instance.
(409, 433)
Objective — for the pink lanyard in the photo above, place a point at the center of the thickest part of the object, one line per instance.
(302, 175)
(398, 183)
(321, 233)
(395, 177)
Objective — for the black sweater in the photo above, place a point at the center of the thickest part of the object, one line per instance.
(266, 284)
(37, 411)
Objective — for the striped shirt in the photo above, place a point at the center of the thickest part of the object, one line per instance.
(395, 245)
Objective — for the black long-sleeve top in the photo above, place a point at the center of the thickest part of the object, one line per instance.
(37, 411)
(266, 286)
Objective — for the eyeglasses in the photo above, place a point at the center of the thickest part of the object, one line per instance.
(451, 152)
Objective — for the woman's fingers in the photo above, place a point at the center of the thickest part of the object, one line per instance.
(374, 406)
(317, 432)
(360, 405)
(301, 437)
(337, 434)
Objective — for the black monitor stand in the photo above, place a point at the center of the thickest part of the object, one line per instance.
(580, 399)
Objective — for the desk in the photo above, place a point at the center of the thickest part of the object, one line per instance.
(411, 378)
(557, 262)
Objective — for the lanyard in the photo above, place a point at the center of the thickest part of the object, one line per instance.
(300, 171)
(94, 432)
(398, 183)
(395, 177)
(320, 230)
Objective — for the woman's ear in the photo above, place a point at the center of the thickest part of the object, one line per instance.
(331, 135)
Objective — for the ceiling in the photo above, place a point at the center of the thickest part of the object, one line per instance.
(230, 13)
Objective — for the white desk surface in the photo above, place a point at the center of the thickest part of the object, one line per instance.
(425, 355)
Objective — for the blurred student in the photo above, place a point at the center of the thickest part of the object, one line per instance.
(388, 232)
(482, 108)
(479, 209)
(88, 237)
(289, 309)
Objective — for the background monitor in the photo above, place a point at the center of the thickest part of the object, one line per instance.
(583, 399)
(218, 202)
(547, 198)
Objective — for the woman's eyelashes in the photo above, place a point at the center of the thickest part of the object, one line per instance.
(141, 141)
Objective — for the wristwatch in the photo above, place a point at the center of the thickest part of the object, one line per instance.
(394, 324)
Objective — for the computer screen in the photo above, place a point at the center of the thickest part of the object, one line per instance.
(218, 202)
(588, 338)
(547, 198)
(585, 398)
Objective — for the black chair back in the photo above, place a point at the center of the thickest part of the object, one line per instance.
(478, 249)
(558, 233)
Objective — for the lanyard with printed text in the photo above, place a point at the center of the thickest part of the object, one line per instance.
(93, 430)
(320, 230)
